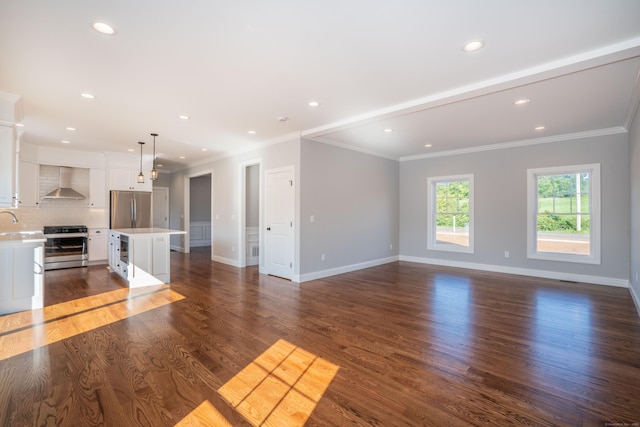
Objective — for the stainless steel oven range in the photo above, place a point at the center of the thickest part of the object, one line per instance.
(66, 246)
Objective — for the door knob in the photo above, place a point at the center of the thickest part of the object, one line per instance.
(268, 228)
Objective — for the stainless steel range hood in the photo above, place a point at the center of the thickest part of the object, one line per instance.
(64, 190)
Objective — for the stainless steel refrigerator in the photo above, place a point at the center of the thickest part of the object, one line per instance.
(130, 209)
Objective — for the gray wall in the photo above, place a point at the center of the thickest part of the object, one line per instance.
(634, 155)
(226, 193)
(500, 180)
(164, 180)
(353, 198)
(200, 196)
(362, 204)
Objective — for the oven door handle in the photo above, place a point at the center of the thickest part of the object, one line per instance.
(63, 235)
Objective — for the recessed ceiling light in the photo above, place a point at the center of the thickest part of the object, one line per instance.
(159, 165)
(427, 145)
(182, 157)
(70, 128)
(130, 149)
(103, 28)
(521, 101)
(87, 95)
(251, 132)
(65, 141)
(203, 149)
(388, 130)
(473, 45)
(184, 117)
(20, 125)
(539, 128)
(313, 104)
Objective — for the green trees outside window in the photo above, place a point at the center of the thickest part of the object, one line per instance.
(451, 213)
(563, 203)
(452, 200)
(563, 213)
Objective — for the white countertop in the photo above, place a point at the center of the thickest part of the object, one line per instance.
(21, 236)
(132, 232)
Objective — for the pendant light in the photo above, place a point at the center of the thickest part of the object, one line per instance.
(140, 175)
(154, 171)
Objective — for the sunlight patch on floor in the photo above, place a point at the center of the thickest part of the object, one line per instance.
(204, 415)
(29, 330)
(282, 386)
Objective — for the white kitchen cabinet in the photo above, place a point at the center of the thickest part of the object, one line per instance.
(120, 179)
(28, 185)
(7, 165)
(97, 189)
(21, 277)
(127, 180)
(98, 244)
(114, 252)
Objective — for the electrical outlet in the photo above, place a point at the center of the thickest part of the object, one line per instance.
(233, 248)
(322, 257)
(312, 218)
(391, 246)
(506, 254)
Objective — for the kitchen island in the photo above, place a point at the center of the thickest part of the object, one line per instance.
(21, 270)
(141, 255)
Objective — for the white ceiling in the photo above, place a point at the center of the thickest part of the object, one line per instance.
(235, 66)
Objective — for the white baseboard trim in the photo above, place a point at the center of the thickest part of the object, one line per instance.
(582, 278)
(228, 261)
(341, 270)
(177, 248)
(199, 243)
(636, 298)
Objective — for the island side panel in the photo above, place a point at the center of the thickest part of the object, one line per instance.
(161, 258)
(149, 259)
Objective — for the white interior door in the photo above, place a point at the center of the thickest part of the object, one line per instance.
(161, 207)
(279, 215)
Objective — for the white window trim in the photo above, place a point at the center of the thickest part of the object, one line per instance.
(594, 213)
(432, 244)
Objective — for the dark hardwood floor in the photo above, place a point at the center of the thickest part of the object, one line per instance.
(413, 344)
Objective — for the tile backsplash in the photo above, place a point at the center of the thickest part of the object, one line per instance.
(67, 212)
(58, 212)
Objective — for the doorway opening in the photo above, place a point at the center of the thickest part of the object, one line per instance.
(250, 224)
(198, 203)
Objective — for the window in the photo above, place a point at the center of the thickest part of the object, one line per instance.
(450, 213)
(564, 213)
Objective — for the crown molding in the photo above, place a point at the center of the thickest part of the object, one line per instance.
(635, 102)
(572, 64)
(349, 147)
(512, 144)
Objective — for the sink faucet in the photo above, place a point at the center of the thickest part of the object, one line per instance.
(15, 219)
